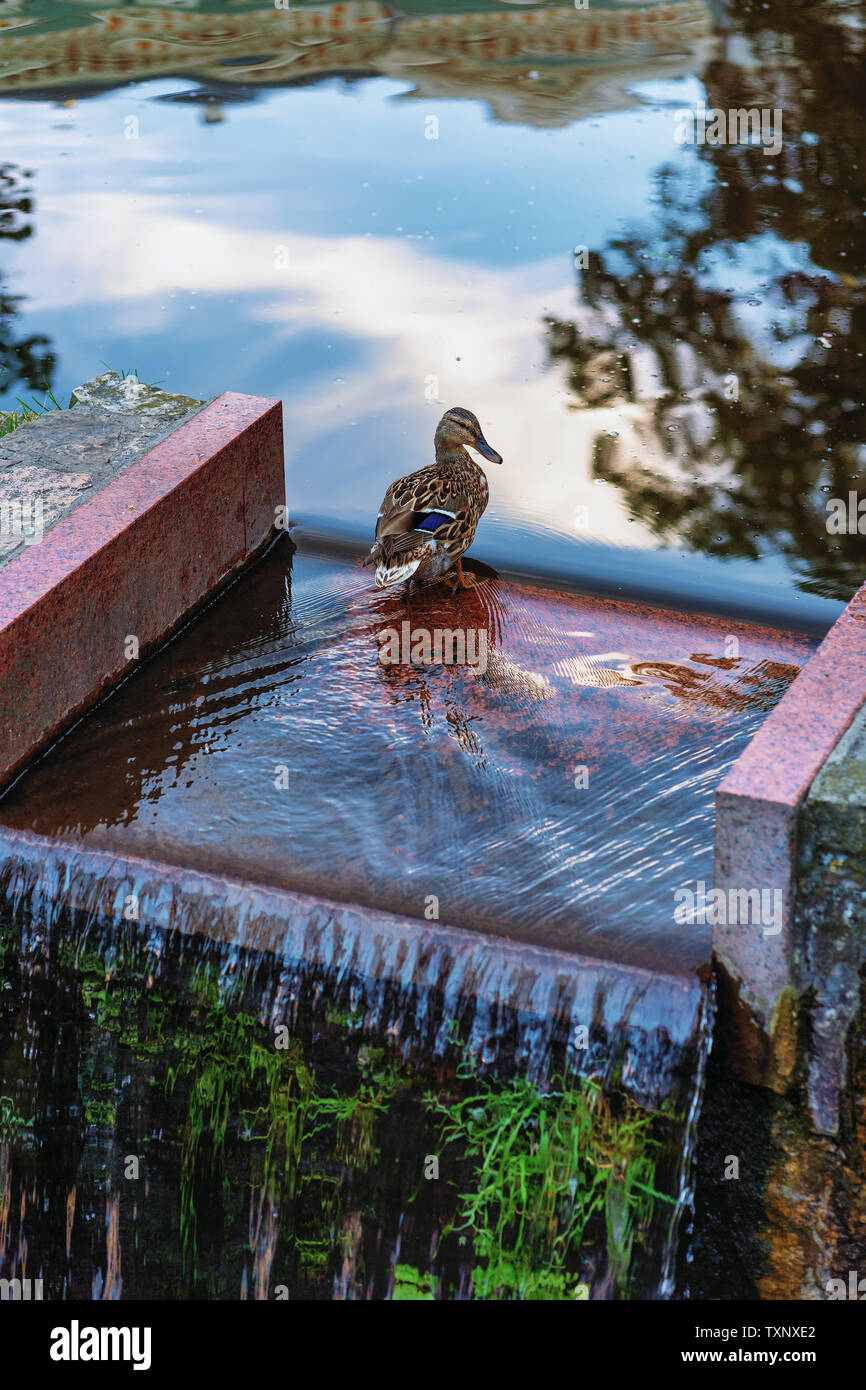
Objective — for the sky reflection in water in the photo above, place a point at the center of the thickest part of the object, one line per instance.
(310, 242)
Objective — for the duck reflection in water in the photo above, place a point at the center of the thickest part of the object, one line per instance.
(435, 634)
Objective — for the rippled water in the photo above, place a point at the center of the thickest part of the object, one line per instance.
(561, 792)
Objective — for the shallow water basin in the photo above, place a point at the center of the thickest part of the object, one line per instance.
(512, 759)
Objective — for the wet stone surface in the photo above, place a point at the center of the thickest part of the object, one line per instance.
(790, 1221)
(50, 465)
(830, 912)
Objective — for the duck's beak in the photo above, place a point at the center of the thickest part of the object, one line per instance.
(485, 450)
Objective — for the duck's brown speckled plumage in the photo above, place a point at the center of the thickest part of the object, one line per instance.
(408, 544)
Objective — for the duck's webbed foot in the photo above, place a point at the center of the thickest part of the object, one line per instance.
(463, 581)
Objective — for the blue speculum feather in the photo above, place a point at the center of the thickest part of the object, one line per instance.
(432, 521)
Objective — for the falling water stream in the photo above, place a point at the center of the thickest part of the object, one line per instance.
(224, 1122)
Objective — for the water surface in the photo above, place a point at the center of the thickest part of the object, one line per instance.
(556, 787)
(373, 211)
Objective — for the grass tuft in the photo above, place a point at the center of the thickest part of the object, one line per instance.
(28, 410)
(554, 1170)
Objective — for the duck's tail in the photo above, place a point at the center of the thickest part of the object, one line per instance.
(388, 574)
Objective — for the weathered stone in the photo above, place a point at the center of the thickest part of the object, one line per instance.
(770, 977)
(49, 465)
(126, 395)
(830, 944)
(31, 500)
(791, 1218)
(133, 559)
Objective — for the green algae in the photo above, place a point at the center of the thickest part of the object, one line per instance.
(12, 1125)
(411, 1286)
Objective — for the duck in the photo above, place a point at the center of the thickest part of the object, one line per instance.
(428, 519)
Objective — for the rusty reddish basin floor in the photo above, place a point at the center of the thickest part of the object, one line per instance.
(561, 796)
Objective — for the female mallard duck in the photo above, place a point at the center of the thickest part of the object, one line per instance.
(428, 518)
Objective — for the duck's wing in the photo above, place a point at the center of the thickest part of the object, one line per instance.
(417, 506)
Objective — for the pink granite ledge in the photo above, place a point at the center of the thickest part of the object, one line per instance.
(757, 805)
(134, 560)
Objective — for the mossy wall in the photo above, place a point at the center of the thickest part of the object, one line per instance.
(160, 1137)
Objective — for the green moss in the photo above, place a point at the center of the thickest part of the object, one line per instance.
(234, 1077)
(410, 1285)
(12, 1125)
(100, 1112)
(344, 1018)
(544, 1190)
(237, 1083)
(783, 1032)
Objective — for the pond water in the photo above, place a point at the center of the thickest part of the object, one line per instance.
(373, 212)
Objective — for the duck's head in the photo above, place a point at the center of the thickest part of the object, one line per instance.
(459, 426)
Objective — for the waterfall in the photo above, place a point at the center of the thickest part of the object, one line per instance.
(522, 1007)
(325, 971)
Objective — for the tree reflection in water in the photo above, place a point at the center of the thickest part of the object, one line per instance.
(29, 360)
(729, 333)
